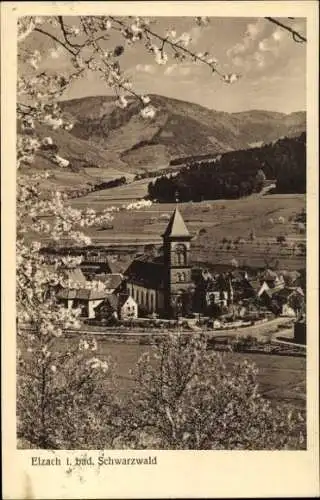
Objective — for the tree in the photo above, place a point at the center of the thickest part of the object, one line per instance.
(187, 397)
(297, 302)
(64, 395)
(259, 180)
(281, 239)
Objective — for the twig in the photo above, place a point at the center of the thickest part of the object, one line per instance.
(53, 37)
(297, 37)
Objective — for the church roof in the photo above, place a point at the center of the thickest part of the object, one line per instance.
(176, 226)
(146, 271)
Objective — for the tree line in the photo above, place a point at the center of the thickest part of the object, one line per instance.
(238, 173)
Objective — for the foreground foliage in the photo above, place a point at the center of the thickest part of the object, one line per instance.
(184, 397)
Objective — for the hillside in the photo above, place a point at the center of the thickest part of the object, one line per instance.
(179, 128)
(238, 173)
(107, 142)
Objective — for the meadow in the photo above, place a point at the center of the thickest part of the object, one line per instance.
(256, 222)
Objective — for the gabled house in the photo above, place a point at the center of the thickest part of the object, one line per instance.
(121, 306)
(220, 291)
(79, 293)
(287, 301)
(85, 299)
(272, 279)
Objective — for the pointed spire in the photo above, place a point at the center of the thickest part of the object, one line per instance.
(176, 226)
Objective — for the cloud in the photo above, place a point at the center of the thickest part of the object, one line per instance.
(272, 43)
(252, 33)
(259, 59)
(257, 52)
(177, 69)
(146, 68)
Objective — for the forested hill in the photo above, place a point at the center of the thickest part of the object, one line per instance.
(238, 173)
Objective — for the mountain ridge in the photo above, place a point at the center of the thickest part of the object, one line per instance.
(107, 139)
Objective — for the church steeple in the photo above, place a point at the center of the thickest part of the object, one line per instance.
(176, 227)
(177, 269)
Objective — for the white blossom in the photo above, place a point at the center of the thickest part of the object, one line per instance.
(83, 345)
(62, 162)
(122, 102)
(231, 78)
(184, 39)
(171, 34)
(148, 112)
(160, 57)
(35, 59)
(145, 99)
(47, 141)
(73, 30)
(69, 126)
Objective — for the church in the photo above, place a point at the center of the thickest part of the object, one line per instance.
(163, 284)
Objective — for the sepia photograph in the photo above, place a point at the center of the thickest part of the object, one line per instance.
(161, 223)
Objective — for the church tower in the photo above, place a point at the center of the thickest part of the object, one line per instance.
(177, 269)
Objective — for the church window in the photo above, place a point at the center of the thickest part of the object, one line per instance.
(180, 255)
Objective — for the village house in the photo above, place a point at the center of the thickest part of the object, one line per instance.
(212, 290)
(287, 301)
(86, 299)
(78, 292)
(121, 306)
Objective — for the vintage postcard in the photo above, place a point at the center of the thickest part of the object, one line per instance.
(160, 249)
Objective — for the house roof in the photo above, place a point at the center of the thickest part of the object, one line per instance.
(146, 271)
(269, 275)
(117, 301)
(67, 294)
(113, 301)
(201, 276)
(286, 292)
(81, 294)
(110, 280)
(255, 284)
(76, 275)
(176, 226)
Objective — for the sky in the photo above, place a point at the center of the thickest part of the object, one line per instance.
(271, 64)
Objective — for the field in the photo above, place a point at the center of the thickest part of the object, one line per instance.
(282, 379)
(215, 225)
